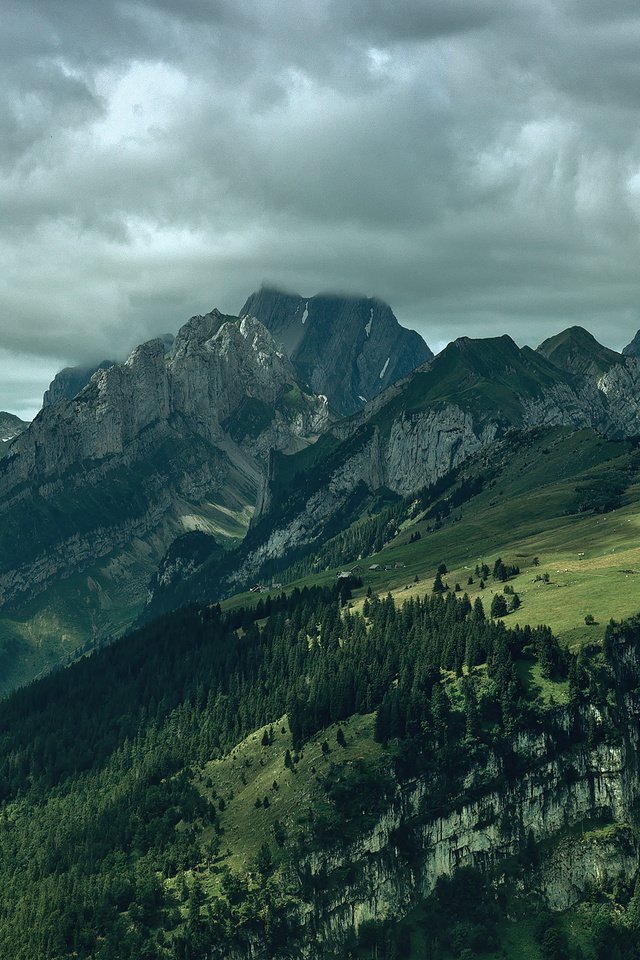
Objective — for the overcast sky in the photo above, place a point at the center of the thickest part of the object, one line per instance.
(476, 163)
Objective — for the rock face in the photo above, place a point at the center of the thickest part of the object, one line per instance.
(558, 792)
(71, 380)
(346, 348)
(573, 800)
(155, 435)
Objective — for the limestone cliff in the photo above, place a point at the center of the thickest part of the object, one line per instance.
(573, 800)
(157, 434)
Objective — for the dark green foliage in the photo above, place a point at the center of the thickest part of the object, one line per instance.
(498, 606)
(438, 585)
(502, 571)
(358, 794)
(462, 914)
(554, 661)
(97, 762)
(264, 860)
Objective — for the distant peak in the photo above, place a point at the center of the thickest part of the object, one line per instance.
(342, 345)
(575, 350)
(502, 346)
(574, 334)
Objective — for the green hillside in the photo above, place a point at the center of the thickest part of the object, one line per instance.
(568, 500)
(106, 597)
(157, 804)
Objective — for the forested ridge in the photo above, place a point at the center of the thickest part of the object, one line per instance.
(101, 811)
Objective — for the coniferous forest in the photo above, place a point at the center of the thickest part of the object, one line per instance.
(105, 828)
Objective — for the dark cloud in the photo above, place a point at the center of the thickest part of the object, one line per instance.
(475, 163)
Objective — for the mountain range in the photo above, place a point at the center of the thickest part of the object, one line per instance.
(463, 401)
(297, 568)
(103, 496)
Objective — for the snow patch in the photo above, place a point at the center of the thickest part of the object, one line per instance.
(306, 311)
(360, 397)
(368, 326)
(384, 369)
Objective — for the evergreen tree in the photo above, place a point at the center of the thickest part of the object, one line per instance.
(498, 606)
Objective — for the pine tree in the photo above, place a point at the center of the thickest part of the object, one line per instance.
(438, 585)
(498, 606)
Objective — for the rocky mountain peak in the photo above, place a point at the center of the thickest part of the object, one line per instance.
(151, 350)
(496, 349)
(347, 348)
(577, 351)
(197, 331)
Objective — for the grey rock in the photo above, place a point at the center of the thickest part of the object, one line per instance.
(78, 453)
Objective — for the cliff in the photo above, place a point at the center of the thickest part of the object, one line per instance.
(146, 448)
(558, 801)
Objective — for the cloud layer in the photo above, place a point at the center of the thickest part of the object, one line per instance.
(475, 163)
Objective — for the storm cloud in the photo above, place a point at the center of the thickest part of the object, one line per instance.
(474, 163)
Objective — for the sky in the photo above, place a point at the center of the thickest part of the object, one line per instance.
(474, 163)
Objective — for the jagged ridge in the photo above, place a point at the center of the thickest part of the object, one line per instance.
(71, 468)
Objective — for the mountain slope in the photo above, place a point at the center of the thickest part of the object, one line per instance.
(157, 802)
(100, 485)
(347, 348)
(633, 349)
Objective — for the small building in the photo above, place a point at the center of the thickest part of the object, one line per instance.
(375, 566)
